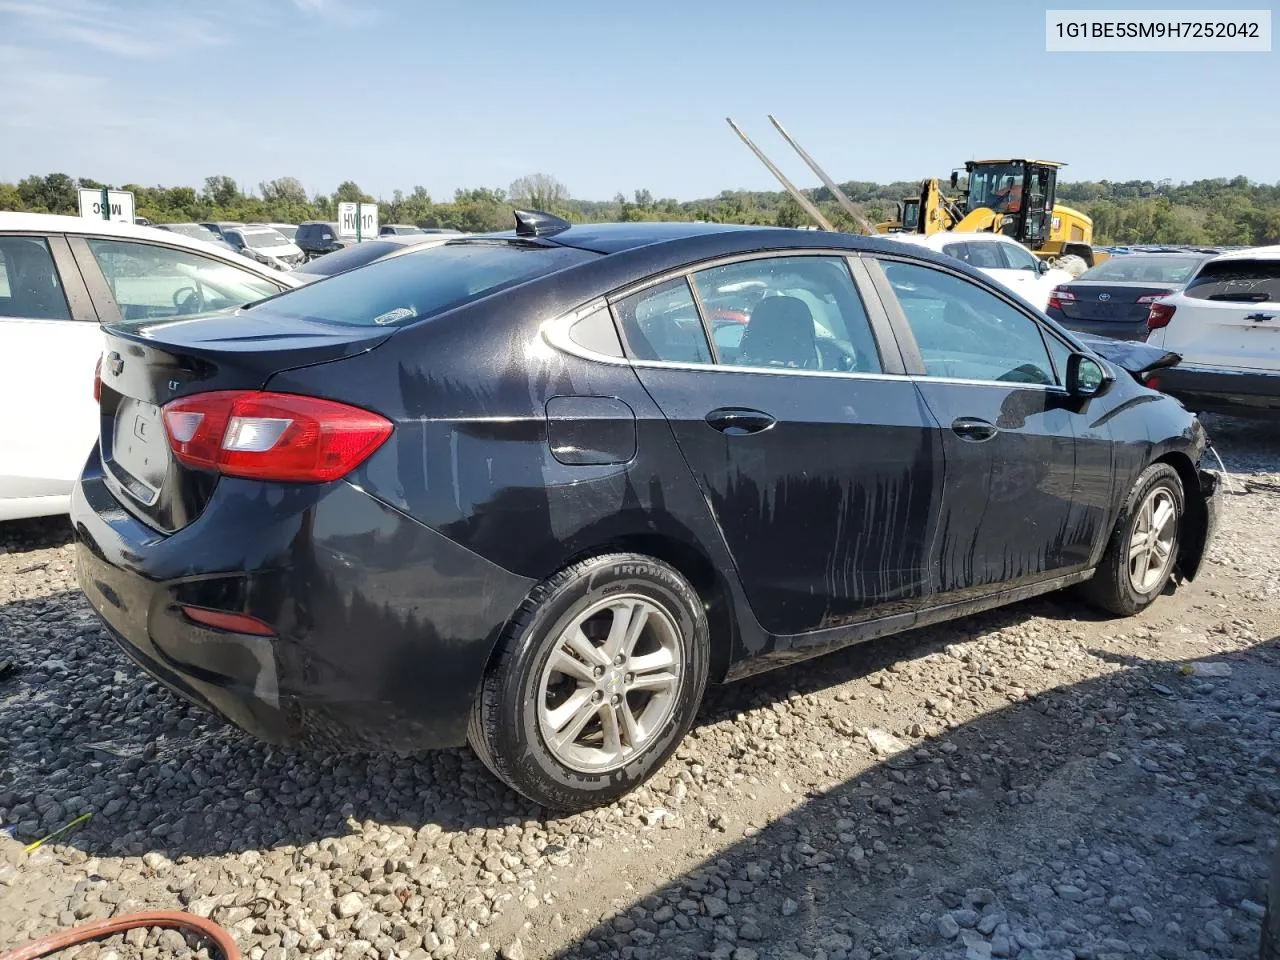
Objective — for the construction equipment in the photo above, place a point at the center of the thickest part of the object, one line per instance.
(1013, 197)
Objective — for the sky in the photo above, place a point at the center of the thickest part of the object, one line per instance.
(608, 96)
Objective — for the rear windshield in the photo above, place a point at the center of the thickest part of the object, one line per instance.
(1131, 269)
(399, 290)
(1238, 281)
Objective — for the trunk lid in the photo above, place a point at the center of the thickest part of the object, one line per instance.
(147, 364)
(1111, 302)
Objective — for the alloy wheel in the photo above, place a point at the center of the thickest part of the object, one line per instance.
(1151, 544)
(611, 683)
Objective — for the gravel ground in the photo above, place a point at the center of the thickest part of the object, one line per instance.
(1036, 782)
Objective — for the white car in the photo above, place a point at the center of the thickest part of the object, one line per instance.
(60, 277)
(999, 257)
(265, 244)
(1225, 323)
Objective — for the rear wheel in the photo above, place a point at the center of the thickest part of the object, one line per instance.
(1143, 546)
(600, 676)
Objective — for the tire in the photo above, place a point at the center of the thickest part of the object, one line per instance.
(524, 696)
(1112, 587)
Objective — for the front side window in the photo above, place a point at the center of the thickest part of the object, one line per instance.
(1237, 281)
(150, 281)
(662, 323)
(788, 312)
(977, 254)
(1017, 258)
(964, 332)
(29, 284)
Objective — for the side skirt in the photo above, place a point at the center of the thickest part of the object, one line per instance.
(792, 648)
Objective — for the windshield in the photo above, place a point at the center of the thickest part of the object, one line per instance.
(991, 183)
(400, 290)
(910, 214)
(261, 239)
(1237, 281)
(1131, 269)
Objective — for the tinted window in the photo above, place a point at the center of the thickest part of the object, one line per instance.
(662, 323)
(1237, 281)
(1018, 259)
(349, 258)
(798, 312)
(29, 284)
(400, 290)
(1159, 269)
(965, 332)
(982, 256)
(152, 281)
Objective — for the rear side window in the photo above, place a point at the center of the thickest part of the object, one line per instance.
(1237, 281)
(401, 290)
(663, 323)
(29, 285)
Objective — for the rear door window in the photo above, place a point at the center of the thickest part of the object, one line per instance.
(1016, 258)
(400, 290)
(29, 284)
(1237, 281)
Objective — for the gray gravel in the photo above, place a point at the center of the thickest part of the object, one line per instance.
(1036, 782)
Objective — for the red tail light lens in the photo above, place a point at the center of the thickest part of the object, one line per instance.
(226, 620)
(1159, 315)
(272, 436)
(97, 381)
(1059, 296)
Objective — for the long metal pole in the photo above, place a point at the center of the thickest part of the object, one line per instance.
(790, 187)
(830, 184)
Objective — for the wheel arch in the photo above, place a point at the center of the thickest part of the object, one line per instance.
(1195, 521)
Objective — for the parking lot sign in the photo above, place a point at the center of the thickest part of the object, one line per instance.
(358, 220)
(119, 205)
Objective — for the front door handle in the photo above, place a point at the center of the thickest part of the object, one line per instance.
(738, 421)
(973, 429)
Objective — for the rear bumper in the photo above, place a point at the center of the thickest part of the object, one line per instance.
(383, 626)
(1124, 330)
(1236, 392)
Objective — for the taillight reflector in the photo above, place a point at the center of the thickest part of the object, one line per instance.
(1060, 295)
(1159, 315)
(226, 620)
(97, 381)
(272, 436)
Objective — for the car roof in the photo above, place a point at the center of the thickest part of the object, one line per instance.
(56, 223)
(936, 241)
(616, 237)
(1271, 252)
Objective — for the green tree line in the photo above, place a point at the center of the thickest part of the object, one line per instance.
(1218, 211)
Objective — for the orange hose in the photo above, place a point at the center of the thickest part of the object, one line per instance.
(175, 919)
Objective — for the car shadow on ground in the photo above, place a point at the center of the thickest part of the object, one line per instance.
(1129, 813)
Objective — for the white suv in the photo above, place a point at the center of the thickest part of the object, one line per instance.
(1226, 325)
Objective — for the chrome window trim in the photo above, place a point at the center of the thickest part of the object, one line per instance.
(555, 333)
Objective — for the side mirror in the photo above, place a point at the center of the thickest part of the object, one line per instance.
(955, 178)
(1042, 267)
(1086, 377)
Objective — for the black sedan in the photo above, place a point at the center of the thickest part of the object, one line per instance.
(1113, 298)
(509, 491)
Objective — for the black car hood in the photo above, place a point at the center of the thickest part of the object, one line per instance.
(1137, 358)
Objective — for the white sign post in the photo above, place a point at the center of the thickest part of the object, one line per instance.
(118, 205)
(358, 220)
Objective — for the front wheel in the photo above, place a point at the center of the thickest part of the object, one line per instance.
(599, 678)
(1143, 546)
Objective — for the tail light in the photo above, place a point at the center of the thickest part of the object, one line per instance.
(97, 381)
(1151, 298)
(227, 620)
(1159, 315)
(272, 436)
(1059, 296)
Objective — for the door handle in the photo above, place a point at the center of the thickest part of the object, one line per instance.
(738, 421)
(973, 429)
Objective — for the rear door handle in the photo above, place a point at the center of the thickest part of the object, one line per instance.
(738, 421)
(973, 429)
